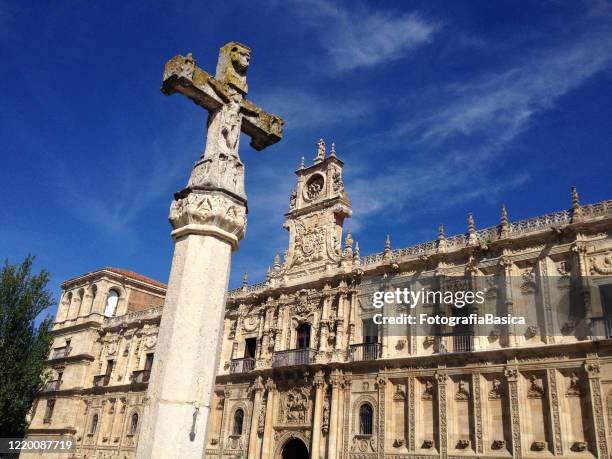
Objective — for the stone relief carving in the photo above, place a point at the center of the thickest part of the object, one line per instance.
(314, 187)
(536, 387)
(574, 389)
(528, 281)
(463, 390)
(601, 266)
(214, 209)
(428, 391)
(364, 443)
(325, 423)
(295, 406)
(337, 182)
(496, 391)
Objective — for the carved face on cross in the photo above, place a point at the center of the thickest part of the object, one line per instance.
(241, 57)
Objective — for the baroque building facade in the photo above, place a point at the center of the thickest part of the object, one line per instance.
(305, 372)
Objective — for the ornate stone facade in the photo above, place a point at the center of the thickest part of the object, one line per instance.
(297, 368)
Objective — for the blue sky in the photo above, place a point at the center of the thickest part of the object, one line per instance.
(437, 108)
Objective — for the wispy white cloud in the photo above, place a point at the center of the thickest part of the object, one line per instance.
(502, 104)
(488, 113)
(302, 109)
(448, 182)
(357, 36)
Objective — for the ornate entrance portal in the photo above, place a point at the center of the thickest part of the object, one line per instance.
(295, 449)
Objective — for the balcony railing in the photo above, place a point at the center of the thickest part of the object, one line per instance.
(601, 327)
(364, 351)
(52, 385)
(454, 342)
(61, 352)
(242, 365)
(101, 380)
(141, 376)
(293, 357)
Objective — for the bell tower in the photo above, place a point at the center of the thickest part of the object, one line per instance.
(317, 209)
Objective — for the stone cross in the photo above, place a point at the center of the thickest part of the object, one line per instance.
(229, 114)
(208, 219)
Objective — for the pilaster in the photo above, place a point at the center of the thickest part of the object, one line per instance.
(512, 376)
(553, 395)
(441, 378)
(592, 369)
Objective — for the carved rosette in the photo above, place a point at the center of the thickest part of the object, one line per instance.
(209, 212)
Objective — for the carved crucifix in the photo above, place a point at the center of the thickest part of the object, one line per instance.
(224, 96)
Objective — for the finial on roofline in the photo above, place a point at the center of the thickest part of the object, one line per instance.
(332, 152)
(302, 163)
(245, 279)
(504, 221)
(387, 254)
(472, 238)
(576, 207)
(441, 239)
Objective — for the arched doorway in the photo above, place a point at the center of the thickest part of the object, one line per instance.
(295, 449)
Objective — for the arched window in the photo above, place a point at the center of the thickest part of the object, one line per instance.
(111, 303)
(94, 424)
(365, 419)
(94, 291)
(81, 294)
(134, 424)
(238, 419)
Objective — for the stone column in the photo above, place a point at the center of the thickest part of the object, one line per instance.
(266, 449)
(512, 376)
(319, 383)
(592, 369)
(208, 225)
(334, 380)
(258, 388)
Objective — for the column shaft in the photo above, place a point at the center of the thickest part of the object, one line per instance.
(182, 379)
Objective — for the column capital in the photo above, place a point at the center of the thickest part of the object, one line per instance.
(208, 212)
(441, 377)
(592, 369)
(270, 385)
(511, 374)
(257, 385)
(319, 380)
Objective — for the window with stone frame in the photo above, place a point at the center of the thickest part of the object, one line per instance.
(369, 331)
(49, 411)
(238, 420)
(111, 303)
(303, 336)
(365, 419)
(93, 426)
(133, 424)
